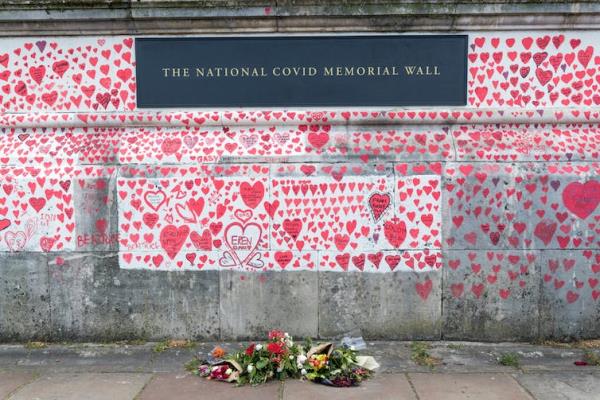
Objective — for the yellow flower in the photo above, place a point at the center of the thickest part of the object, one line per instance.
(318, 361)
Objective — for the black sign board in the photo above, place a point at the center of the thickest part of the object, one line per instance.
(284, 71)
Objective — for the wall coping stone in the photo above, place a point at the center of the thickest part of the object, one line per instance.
(326, 116)
(88, 17)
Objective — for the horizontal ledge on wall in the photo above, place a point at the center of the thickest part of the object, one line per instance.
(284, 117)
(418, 16)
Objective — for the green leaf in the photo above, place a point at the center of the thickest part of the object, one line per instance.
(262, 363)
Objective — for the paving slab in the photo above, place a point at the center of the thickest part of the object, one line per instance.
(562, 385)
(186, 386)
(10, 381)
(381, 387)
(78, 358)
(467, 387)
(83, 386)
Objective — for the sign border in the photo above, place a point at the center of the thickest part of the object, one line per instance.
(140, 104)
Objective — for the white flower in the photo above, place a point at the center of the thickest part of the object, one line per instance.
(280, 368)
(250, 368)
(229, 371)
(299, 365)
(303, 372)
(286, 335)
(352, 348)
(258, 347)
(301, 359)
(270, 374)
(291, 357)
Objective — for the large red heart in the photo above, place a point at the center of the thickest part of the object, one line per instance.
(395, 232)
(292, 227)
(283, 258)
(196, 205)
(46, 243)
(318, 139)
(202, 242)
(37, 203)
(171, 146)
(172, 238)
(423, 289)
(582, 198)
(252, 195)
(545, 231)
(379, 203)
(4, 223)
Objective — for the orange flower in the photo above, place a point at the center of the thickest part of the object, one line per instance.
(218, 352)
(318, 361)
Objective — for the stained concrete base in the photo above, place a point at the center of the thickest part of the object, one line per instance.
(87, 297)
(184, 386)
(11, 381)
(83, 386)
(467, 386)
(382, 387)
(560, 385)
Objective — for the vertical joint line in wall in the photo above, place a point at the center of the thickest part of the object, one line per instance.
(453, 142)
(538, 271)
(220, 270)
(276, 16)
(442, 252)
(114, 188)
(130, 16)
(318, 266)
(395, 178)
(219, 313)
(443, 210)
(50, 321)
(270, 186)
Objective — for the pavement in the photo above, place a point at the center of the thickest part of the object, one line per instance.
(464, 370)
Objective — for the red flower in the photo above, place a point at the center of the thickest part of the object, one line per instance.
(220, 373)
(276, 348)
(250, 349)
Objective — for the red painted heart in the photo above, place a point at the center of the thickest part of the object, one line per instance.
(582, 198)
(172, 238)
(379, 203)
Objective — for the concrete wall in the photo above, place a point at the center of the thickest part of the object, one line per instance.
(477, 222)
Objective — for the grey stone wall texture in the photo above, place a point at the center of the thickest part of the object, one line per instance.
(478, 222)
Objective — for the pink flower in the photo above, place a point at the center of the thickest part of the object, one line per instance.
(276, 334)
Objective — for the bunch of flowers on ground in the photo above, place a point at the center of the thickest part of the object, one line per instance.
(280, 358)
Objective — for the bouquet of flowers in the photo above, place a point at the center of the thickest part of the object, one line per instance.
(280, 358)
